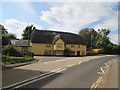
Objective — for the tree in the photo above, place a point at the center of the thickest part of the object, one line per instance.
(5, 37)
(104, 32)
(10, 36)
(103, 40)
(27, 31)
(3, 30)
(89, 36)
(5, 41)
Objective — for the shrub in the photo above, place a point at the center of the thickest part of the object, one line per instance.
(28, 54)
(67, 52)
(11, 51)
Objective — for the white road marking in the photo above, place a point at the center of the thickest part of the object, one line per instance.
(109, 62)
(80, 62)
(38, 61)
(31, 78)
(71, 65)
(88, 60)
(39, 78)
(99, 73)
(56, 60)
(106, 64)
(102, 69)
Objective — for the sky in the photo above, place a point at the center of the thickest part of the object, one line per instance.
(60, 16)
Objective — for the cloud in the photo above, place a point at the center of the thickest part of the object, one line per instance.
(15, 26)
(60, 0)
(111, 23)
(115, 38)
(71, 16)
(27, 8)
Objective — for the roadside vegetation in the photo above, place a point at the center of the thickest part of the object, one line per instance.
(13, 59)
(10, 55)
(98, 41)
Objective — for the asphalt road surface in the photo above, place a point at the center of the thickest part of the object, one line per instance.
(78, 76)
(73, 72)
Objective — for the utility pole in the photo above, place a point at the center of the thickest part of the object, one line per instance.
(91, 39)
(29, 38)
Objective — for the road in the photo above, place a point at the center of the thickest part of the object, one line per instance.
(76, 72)
(78, 76)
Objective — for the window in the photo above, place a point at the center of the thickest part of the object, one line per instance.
(24, 49)
(48, 45)
(78, 46)
(47, 52)
(60, 45)
(72, 45)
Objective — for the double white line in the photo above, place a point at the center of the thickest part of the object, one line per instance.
(31, 80)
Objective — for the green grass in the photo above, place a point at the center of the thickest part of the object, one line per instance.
(13, 60)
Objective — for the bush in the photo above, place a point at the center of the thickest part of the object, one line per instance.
(67, 52)
(11, 51)
(28, 54)
(111, 49)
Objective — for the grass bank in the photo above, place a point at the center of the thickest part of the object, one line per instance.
(13, 60)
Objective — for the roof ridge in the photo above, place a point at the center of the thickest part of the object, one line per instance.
(55, 31)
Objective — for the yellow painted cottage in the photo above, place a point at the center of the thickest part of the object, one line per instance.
(56, 43)
(44, 42)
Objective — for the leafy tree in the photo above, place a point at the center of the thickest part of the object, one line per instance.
(104, 32)
(3, 30)
(89, 36)
(103, 39)
(27, 31)
(10, 36)
(5, 41)
(5, 37)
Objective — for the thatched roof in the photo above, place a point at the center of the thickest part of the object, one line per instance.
(19, 42)
(43, 36)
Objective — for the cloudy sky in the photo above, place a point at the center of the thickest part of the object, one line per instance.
(60, 16)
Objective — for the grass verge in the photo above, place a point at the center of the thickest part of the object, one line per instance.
(13, 60)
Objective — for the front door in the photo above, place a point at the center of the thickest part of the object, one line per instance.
(78, 53)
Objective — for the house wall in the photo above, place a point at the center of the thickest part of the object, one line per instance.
(40, 48)
(56, 45)
(82, 48)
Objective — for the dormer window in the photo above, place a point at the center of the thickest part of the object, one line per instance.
(59, 45)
